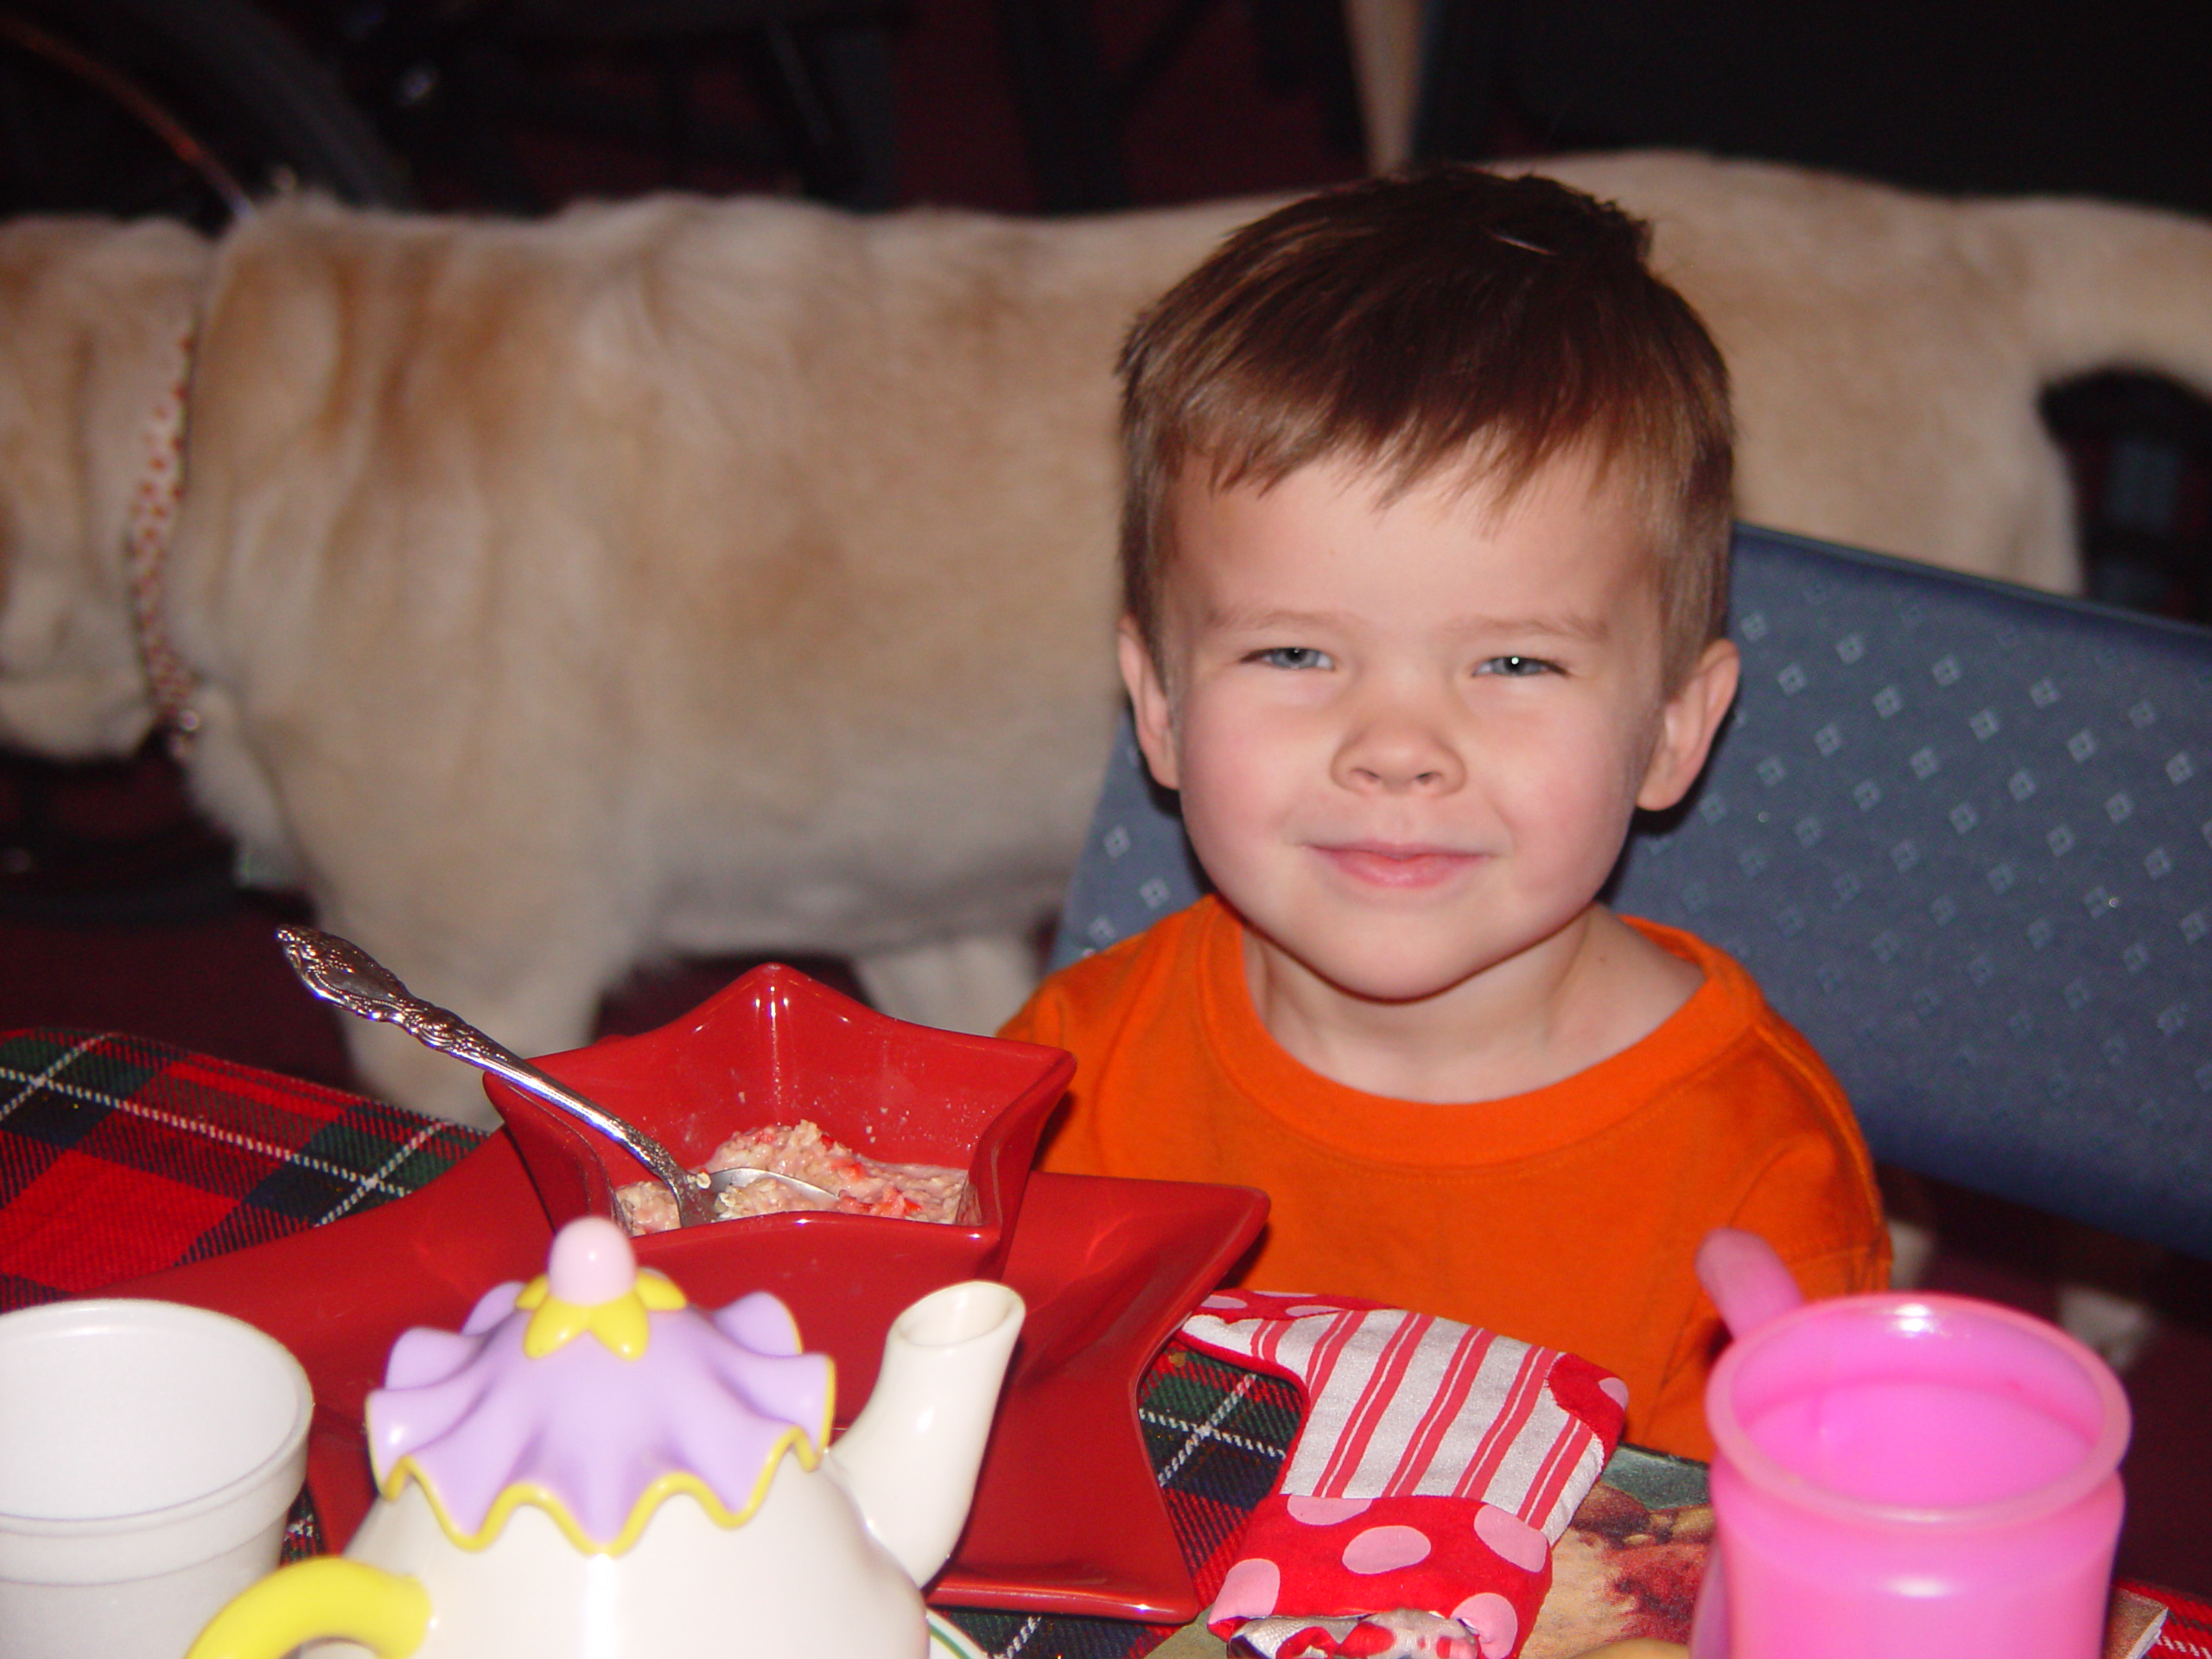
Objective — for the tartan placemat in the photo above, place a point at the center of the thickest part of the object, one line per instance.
(120, 1156)
(2187, 1633)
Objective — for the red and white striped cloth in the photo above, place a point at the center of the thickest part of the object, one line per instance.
(1436, 1467)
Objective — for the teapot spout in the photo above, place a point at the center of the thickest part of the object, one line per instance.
(911, 1458)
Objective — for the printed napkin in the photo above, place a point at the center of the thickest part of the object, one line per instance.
(1437, 1466)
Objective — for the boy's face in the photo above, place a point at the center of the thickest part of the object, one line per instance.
(1409, 737)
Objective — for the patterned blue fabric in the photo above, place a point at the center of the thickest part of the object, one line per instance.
(1962, 834)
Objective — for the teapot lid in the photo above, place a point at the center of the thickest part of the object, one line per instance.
(594, 1392)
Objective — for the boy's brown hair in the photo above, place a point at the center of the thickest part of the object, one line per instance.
(1447, 317)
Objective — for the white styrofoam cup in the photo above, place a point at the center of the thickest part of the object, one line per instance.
(148, 1453)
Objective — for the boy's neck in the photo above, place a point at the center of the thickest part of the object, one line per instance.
(1588, 992)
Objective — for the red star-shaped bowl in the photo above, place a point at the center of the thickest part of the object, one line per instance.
(774, 1047)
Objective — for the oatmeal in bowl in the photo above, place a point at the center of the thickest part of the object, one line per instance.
(859, 1184)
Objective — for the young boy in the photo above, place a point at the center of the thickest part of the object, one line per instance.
(1425, 563)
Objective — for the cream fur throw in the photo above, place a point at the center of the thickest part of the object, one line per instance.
(738, 575)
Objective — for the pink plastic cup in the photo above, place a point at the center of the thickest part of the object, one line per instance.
(1919, 1477)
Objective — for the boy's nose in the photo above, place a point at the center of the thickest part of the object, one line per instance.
(1396, 755)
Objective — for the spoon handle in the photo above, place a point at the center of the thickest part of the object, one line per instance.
(340, 971)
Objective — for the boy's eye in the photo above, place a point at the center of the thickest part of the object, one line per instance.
(1517, 667)
(1292, 656)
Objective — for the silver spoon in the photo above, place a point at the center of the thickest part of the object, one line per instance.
(340, 971)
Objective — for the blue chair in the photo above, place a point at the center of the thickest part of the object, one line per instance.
(1962, 834)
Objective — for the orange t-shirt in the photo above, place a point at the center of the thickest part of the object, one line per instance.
(1566, 1216)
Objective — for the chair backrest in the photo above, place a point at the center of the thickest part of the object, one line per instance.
(1962, 834)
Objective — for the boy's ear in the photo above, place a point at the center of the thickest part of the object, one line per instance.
(1688, 725)
(1149, 698)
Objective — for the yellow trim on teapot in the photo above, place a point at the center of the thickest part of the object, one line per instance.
(794, 1441)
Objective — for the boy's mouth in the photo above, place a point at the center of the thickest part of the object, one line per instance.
(1384, 864)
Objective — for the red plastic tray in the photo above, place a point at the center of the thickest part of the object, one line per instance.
(1067, 1518)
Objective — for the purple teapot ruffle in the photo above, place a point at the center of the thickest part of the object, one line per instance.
(593, 1393)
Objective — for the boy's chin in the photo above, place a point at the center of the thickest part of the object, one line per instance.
(1399, 989)
(1394, 976)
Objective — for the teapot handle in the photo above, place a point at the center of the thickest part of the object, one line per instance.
(331, 1599)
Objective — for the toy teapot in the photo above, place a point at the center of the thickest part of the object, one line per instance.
(591, 1467)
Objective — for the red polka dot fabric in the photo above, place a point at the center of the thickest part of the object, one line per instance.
(1436, 1467)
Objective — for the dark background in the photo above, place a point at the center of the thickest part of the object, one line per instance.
(117, 908)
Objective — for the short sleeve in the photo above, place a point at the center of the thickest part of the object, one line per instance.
(1818, 1207)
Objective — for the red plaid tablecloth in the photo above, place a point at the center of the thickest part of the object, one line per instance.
(2187, 1631)
(120, 1156)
